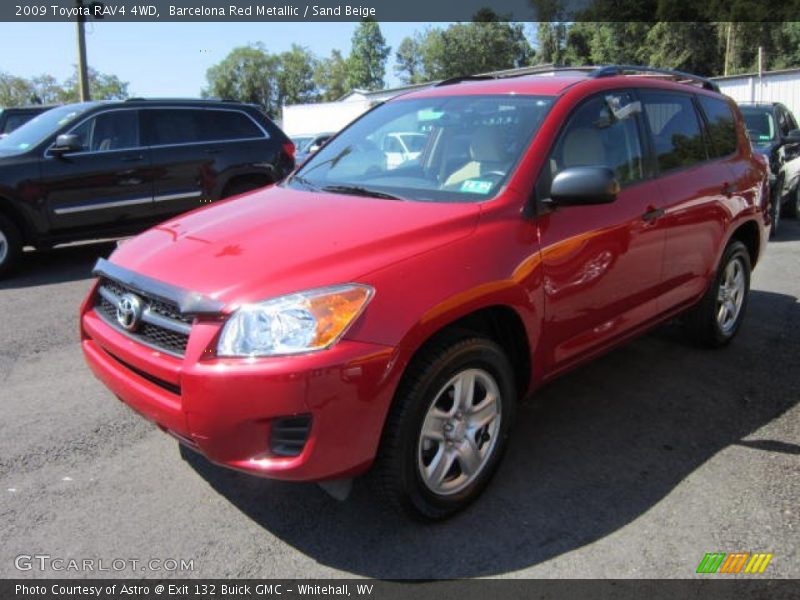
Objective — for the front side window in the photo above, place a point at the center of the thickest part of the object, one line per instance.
(675, 126)
(721, 125)
(115, 130)
(602, 132)
(441, 149)
(760, 124)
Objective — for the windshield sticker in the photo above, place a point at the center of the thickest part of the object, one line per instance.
(476, 186)
(428, 114)
(764, 137)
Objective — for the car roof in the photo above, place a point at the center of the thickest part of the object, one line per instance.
(193, 102)
(556, 80)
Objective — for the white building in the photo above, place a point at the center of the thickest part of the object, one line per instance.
(771, 86)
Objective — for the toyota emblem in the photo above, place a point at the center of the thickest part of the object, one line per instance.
(129, 311)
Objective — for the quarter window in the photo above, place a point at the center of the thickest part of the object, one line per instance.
(677, 136)
(721, 125)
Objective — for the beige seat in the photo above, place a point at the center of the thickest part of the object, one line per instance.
(583, 147)
(487, 153)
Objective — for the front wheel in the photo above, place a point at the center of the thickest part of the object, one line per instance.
(10, 245)
(447, 429)
(716, 319)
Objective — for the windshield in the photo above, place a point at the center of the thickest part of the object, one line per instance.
(40, 128)
(760, 124)
(444, 149)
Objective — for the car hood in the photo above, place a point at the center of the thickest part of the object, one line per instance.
(277, 241)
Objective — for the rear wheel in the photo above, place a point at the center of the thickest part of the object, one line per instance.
(448, 428)
(793, 206)
(10, 245)
(716, 319)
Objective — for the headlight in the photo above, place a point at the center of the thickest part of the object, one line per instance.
(302, 322)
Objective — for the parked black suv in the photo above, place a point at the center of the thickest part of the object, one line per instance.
(773, 132)
(99, 169)
(15, 117)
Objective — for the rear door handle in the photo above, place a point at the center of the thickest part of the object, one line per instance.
(212, 150)
(133, 158)
(653, 214)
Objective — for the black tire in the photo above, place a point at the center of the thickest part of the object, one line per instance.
(792, 208)
(776, 209)
(10, 245)
(702, 322)
(241, 187)
(396, 474)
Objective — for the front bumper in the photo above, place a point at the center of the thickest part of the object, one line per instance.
(224, 408)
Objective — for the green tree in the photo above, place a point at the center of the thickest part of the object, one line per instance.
(464, 49)
(330, 77)
(687, 46)
(368, 54)
(247, 74)
(102, 86)
(15, 91)
(408, 60)
(295, 77)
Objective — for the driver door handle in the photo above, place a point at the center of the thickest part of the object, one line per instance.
(132, 158)
(653, 214)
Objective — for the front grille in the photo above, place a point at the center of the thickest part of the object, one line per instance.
(163, 326)
(289, 435)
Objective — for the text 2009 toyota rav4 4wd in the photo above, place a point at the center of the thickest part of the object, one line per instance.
(365, 317)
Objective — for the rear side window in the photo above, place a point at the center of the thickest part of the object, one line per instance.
(174, 126)
(675, 125)
(721, 125)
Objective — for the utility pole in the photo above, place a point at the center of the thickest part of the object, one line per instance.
(83, 75)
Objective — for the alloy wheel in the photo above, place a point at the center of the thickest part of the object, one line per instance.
(730, 295)
(459, 432)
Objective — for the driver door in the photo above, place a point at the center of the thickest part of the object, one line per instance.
(601, 263)
(107, 182)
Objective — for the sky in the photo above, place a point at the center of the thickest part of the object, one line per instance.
(168, 59)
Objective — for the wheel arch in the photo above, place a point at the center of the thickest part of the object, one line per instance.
(500, 323)
(16, 216)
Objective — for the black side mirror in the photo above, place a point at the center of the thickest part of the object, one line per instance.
(793, 136)
(66, 142)
(577, 186)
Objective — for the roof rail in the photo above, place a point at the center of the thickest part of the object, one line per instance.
(454, 80)
(509, 73)
(176, 99)
(612, 70)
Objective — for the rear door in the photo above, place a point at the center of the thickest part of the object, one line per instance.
(602, 263)
(196, 150)
(108, 183)
(695, 186)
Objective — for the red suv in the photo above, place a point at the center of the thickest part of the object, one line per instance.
(368, 314)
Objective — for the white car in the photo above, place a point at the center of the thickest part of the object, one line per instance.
(401, 147)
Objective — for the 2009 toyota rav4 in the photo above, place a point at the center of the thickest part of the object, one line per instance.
(360, 317)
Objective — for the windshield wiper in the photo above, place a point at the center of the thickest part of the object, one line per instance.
(303, 181)
(357, 190)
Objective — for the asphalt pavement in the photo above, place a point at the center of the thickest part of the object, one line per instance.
(633, 466)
